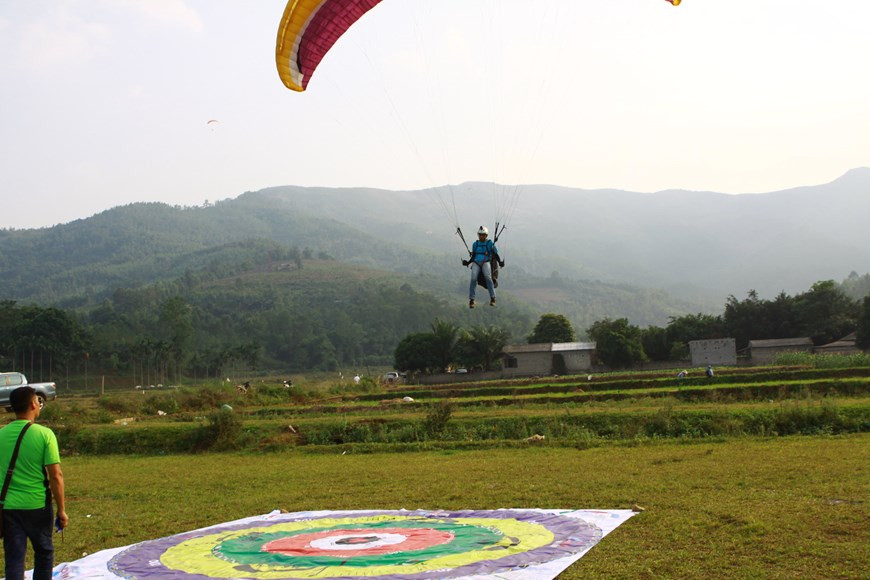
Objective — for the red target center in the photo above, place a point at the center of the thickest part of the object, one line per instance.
(347, 543)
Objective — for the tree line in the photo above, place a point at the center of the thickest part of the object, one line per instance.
(824, 313)
(197, 328)
(206, 327)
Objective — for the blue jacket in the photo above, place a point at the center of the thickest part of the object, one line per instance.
(483, 251)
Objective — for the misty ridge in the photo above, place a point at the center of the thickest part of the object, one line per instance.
(689, 250)
(691, 244)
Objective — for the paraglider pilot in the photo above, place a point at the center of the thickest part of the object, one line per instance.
(482, 254)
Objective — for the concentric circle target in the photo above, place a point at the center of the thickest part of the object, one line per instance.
(410, 545)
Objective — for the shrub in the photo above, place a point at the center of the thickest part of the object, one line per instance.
(162, 402)
(220, 432)
(203, 398)
(437, 418)
(823, 361)
(102, 416)
(119, 404)
(51, 414)
(365, 385)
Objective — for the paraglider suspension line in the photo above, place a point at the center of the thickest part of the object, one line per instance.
(498, 232)
(461, 237)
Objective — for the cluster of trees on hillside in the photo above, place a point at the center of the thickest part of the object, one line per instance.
(38, 339)
(447, 345)
(824, 313)
(202, 326)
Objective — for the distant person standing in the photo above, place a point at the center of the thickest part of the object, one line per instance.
(36, 477)
(709, 371)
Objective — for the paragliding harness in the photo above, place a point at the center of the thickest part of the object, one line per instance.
(489, 256)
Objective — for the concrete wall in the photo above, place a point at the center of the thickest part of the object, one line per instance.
(534, 364)
(530, 364)
(715, 351)
(577, 361)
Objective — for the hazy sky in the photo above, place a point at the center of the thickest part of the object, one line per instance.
(107, 102)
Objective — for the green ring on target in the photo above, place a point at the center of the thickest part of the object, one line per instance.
(195, 555)
(247, 549)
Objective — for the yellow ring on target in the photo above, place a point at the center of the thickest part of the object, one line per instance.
(196, 556)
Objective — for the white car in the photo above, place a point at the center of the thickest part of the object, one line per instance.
(392, 377)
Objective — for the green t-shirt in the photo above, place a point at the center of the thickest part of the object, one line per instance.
(38, 449)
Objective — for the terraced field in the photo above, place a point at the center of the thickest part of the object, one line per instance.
(581, 411)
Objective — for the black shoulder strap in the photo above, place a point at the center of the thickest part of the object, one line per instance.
(12, 461)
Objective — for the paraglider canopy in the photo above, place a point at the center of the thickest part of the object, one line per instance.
(310, 28)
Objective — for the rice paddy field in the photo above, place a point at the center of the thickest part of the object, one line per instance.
(758, 472)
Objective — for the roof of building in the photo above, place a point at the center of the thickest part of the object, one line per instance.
(563, 346)
(779, 342)
(847, 341)
(549, 347)
(712, 340)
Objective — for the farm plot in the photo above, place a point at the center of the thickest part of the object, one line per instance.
(568, 412)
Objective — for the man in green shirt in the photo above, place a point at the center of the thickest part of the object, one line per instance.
(27, 510)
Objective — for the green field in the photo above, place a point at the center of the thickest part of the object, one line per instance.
(776, 508)
(760, 473)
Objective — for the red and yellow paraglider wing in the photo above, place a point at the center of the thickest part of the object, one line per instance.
(308, 30)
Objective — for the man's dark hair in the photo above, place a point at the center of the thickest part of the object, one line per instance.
(20, 398)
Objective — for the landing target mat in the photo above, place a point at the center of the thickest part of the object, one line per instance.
(514, 544)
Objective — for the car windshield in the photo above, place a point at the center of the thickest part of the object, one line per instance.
(11, 379)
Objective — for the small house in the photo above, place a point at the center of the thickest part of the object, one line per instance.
(549, 358)
(764, 351)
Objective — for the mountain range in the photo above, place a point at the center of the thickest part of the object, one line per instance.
(585, 253)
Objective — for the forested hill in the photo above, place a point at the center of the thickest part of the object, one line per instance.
(164, 250)
(590, 253)
(142, 243)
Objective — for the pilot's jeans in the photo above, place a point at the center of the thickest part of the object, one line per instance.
(487, 275)
(18, 527)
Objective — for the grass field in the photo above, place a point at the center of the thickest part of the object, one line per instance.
(760, 473)
(761, 508)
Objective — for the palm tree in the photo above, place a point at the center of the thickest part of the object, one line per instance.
(483, 345)
(446, 336)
